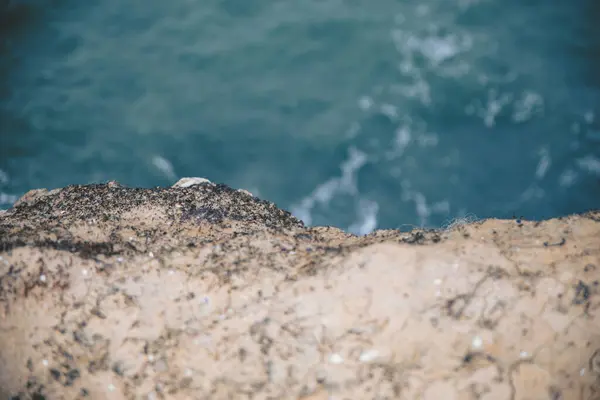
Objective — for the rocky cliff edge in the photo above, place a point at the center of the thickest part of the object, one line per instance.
(201, 291)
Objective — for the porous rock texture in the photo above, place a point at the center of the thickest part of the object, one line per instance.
(205, 292)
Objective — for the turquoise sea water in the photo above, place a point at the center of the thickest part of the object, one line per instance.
(354, 113)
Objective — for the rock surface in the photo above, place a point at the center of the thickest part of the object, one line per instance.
(205, 292)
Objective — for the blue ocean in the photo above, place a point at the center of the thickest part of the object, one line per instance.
(361, 114)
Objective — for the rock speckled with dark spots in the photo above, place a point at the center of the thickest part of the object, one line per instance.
(206, 292)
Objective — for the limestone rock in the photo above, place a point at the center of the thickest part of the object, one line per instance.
(189, 182)
(205, 292)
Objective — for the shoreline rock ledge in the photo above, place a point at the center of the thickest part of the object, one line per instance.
(200, 291)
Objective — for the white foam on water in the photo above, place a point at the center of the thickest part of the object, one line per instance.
(451, 53)
(164, 166)
(402, 139)
(365, 103)
(418, 89)
(532, 193)
(527, 106)
(567, 178)
(441, 50)
(494, 105)
(589, 164)
(340, 185)
(427, 140)
(423, 208)
(389, 110)
(441, 207)
(367, 218)
(352, 131)
(3, 177)
(543, 164)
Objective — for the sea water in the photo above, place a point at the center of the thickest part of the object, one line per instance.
(361, 114)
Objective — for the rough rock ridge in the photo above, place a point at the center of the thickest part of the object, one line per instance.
(201, 291)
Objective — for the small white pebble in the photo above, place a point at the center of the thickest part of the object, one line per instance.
(111, 387)
(188, 372)
(437, 282)
(130, 238)
(524, 354)
(151, 254)
(335, 358)
(368, 355)
(43, 278)
(120, 259)
(84, 272)
(45, 363)
(171, 272)
(477, 342)
(151, 357)
(582, 372)
(292, 252)
(191, 181)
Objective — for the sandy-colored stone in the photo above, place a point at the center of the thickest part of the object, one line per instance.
(205, 292)
(189, 182)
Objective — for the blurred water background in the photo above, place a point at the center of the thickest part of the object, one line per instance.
(360, 114)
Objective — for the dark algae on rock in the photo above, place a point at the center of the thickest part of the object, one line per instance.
(47, 212)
